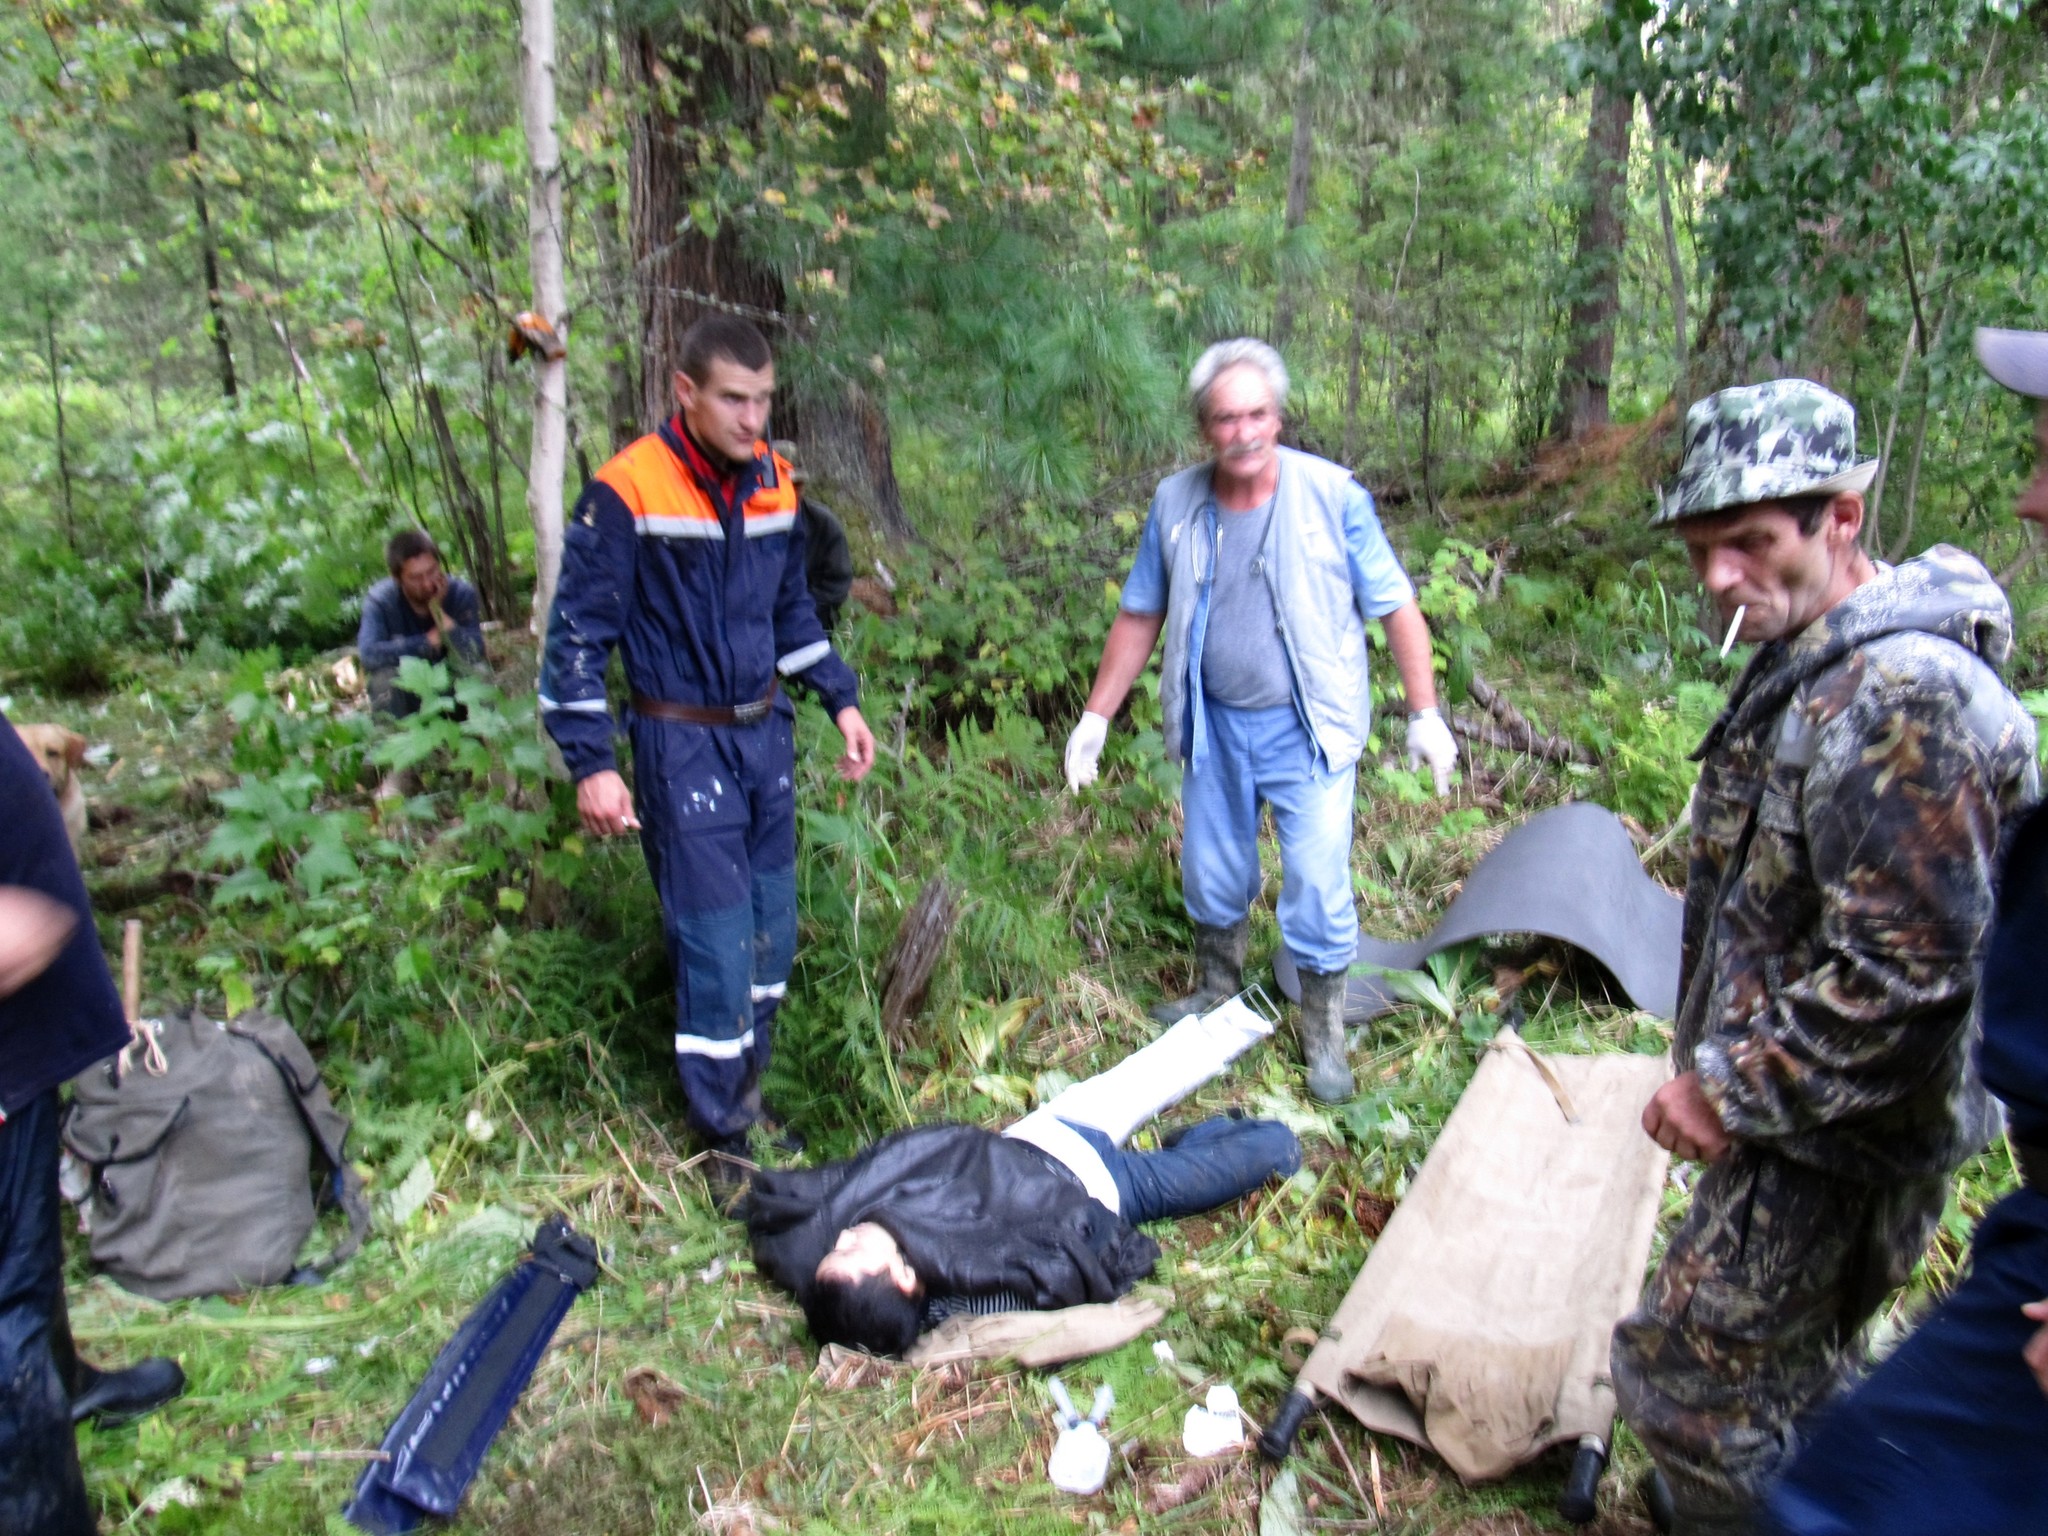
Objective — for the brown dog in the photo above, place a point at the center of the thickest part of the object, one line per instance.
(61, 753)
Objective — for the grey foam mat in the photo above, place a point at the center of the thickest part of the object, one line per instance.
(1570, 873)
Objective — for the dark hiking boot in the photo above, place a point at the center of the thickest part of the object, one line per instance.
(1322, 1035)
(727, 1166)
(115, 1397)
(1219, 972)
(773, 1125)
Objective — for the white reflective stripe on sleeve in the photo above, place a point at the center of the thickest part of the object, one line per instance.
(718, 1050)
(762, 994)
(578, 706)
(678, 527)
(807, 656)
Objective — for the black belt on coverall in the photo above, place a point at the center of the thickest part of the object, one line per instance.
(750, 713)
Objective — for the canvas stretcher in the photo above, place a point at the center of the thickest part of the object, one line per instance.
(1479, 1324)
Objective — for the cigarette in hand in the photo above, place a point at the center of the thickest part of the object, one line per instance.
(630, 822)
(1734, 625)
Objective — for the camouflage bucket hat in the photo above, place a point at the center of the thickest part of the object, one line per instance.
(1765, 442)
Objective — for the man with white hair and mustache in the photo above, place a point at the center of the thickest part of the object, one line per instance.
(1261, 567)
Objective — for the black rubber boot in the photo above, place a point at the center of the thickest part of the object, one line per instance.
(110, 1397)
(1322, 1035)
(1219, 972)
(728, 1169)
(115, 1397)
(773, 1125)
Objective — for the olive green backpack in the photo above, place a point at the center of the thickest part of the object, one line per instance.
(198, 1144)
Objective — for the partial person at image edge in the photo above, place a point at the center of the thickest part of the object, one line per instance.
(58, 1016)
(1950, 1434)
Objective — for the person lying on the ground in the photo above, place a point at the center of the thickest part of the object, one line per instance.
(945, 1218)
(418, 610)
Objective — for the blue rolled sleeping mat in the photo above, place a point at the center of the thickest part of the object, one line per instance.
(436, 1445)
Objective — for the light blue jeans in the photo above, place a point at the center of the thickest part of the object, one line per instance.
(1265, 757)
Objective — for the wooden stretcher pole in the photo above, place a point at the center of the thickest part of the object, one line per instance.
(131, 969)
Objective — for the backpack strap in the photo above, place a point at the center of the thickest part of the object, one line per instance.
(328, 1127)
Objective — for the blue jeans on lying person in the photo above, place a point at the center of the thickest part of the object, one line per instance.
(1212, 1164)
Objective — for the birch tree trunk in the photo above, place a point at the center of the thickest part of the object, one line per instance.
(549, 456)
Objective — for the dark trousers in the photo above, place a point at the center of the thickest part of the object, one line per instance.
(1754, 1320)
(42, 1492)
(717, 808)
(1950, 1434)
(1212, 1164)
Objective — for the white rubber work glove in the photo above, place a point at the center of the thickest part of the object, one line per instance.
(1084, 749)
(1430, 741)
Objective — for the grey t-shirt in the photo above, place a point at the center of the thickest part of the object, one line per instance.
(1244, 664)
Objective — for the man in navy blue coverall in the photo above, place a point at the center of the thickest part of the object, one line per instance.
(687, 554)
(1950, 1435)
(59, 1014)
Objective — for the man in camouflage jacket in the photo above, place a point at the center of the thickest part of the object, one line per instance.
(1846, 825)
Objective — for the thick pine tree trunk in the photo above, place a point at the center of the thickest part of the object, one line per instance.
(1596, 266)
(681, 274)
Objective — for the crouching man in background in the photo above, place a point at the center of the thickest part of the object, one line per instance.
(418, 610)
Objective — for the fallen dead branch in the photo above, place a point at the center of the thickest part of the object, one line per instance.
(906, 970)
(1509, 729)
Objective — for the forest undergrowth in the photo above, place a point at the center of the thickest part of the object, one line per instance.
(490, 1000)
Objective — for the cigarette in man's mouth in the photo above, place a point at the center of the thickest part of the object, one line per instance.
(1734, 626)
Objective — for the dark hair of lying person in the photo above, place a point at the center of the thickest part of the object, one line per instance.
(873, 1313)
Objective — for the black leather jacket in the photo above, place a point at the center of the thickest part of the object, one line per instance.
(973, 1212)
